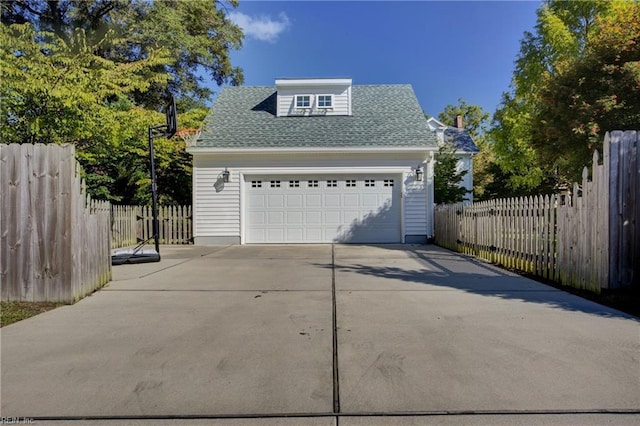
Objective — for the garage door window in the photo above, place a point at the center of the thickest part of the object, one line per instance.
(256, 184)
(294, 184)
(332, 184)
(313, 184)
(369, 183)
(388, 182)
(350, 183)
(275, 184)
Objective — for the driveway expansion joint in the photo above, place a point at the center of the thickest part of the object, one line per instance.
(334, 313)
(387, 414)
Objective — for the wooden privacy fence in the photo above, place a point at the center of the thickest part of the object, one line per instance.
(54, 240)
(588, 239)
(624, 207)
(132, 224)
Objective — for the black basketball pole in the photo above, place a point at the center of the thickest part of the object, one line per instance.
(138, 254)
(154, 192)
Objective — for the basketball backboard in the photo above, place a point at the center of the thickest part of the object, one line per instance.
(172, 118)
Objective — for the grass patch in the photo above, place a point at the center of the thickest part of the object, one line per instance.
(11, 312)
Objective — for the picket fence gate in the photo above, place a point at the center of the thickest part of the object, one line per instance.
(134, 224)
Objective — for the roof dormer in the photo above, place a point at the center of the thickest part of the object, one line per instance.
(300, 97)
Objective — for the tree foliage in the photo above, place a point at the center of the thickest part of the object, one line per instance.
(97, 74)
(596, 92)
(447, 177)
(196, 34)
(544, 130)
(57, 91)
(475, 120)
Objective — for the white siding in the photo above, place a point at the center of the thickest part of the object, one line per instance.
(430, 192)
(218, 214)
(341, 101)
(415, 207)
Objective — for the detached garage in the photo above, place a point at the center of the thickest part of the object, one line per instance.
(314, 161)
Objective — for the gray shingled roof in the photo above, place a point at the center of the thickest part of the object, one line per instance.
(460, 139)
(382, 116)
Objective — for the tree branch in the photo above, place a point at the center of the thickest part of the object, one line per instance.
(25, 5)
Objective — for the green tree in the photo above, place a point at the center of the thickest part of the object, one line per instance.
(596, 92)
(476, 122)
(61, 92)
(562, 33)
(447, 178)
(58, 92)
(196, 34)
(97, 73)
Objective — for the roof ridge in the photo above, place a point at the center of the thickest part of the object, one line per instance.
(262, 86)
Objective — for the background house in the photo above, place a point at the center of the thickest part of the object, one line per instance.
(314, 160)
(464, 145)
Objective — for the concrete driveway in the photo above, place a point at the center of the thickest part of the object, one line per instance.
(321, 335)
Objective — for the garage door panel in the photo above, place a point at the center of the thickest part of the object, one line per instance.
(275, 218)
(371, 200)
(314, 235)
(351, 200)
(295, 201)
(275, 201)
(275, 234)
(342, 209)
(332, 200)
(295, 234)
(313, 200)
(257, 218)
(257, 200)
(313, 217)
(258, 235)
(349, 216)
(294, 218)
(333, 217)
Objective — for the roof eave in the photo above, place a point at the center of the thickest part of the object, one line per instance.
(309, 150)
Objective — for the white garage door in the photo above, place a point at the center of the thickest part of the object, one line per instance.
(312, 209)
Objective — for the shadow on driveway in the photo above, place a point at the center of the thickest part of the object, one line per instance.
(436, 269)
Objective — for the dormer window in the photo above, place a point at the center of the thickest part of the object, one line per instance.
(313, 97)
(325, 101)
(303, 101)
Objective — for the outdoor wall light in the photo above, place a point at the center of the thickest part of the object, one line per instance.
(225, 175)
(419, 174)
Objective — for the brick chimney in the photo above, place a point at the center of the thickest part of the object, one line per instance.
(459, 122)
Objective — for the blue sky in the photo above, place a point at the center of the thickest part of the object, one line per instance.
(445, 50)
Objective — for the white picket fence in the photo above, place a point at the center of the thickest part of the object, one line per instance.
(588, 239)
(132, 224)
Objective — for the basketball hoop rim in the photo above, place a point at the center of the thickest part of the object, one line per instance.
(187, 134)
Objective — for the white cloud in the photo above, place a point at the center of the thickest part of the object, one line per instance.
(262, 27)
